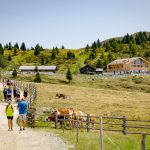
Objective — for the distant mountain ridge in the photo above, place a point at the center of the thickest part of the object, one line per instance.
(121, 37)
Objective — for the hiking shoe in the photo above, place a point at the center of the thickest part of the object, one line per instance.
(24, 129)
(20, 129)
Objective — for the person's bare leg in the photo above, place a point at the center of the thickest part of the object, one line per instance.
(11, 124)
(24, 125)
(21, 125)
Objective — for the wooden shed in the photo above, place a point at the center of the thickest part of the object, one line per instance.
(87, 70)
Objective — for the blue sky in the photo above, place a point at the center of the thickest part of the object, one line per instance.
(72, 23)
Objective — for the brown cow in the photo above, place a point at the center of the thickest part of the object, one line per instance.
(61, 113)
(92, 120)
(64, 96)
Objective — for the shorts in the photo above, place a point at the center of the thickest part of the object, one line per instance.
(10, 117)
(22, 117)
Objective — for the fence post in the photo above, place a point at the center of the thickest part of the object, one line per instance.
(77, 126)
(88, 122)
(101, 132)
(124, 125)
(56, 120)
(30, 102)
(64, 123)
(143, 141)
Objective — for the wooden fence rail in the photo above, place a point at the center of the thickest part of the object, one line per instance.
(32, 95)
(124, 126)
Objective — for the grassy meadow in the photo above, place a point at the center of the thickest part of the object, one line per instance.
(127, 96)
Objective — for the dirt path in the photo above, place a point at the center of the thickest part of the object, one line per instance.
(30, 139)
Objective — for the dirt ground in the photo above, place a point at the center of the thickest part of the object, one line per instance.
(30, 139)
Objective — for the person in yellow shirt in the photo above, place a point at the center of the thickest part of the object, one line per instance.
(9, 113)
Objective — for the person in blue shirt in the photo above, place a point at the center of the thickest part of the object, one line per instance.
(22, 107)
(9, 93)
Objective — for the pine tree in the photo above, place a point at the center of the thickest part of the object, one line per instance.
(6, 46)
(102, 55)
(9, 46)
(105, 62)
(94, 45)
(70, 55)
(87, 48)
(57, 50)
(145, 35)
(127, 38)
(54, 54)
(42, 60)
(98, 43)
(99, 64)
(36, 69)
(15, 51)
(9, 57)
(138, 39)
(132, 40)
(1, 49)
(110, 57)
(23, 47)
(114, 45)
(62, 47)
(133, 49)
(16, 46)
(37, 50)
(92, 55)
(37, 76)
(14, 73)
(69, 75)
(108, 47)
(149, 38)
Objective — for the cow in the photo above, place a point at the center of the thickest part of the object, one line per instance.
(78, 116)
(61, 114)
(92, 120)
(64, 96)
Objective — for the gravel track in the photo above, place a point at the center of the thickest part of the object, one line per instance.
(30, 139)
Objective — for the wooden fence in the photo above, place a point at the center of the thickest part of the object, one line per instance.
(32, 95)
(105, 123)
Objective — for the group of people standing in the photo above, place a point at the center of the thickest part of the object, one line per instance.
(22, 106)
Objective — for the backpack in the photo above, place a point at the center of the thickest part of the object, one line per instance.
(5, 91)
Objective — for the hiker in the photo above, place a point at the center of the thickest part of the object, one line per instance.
(9, 113)
(5, 93)
(15, 91)
(3, 82)
(8, 82)
(25, 93)
(17, 95)
(22, 107)
(9, 93)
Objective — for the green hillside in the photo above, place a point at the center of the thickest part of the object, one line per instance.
(97, 54)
